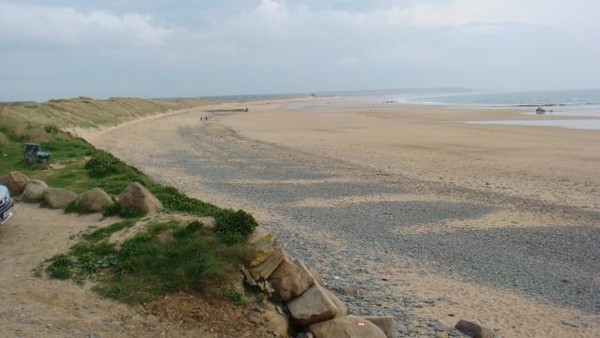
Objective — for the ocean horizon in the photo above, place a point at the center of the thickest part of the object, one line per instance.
(583, 105)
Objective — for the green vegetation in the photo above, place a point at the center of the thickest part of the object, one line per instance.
(234, 226)
(235, 297)
(103, 233)
(145, 266)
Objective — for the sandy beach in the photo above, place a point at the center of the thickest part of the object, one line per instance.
(433, 219)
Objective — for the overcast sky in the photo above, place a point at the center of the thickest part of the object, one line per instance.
(174, 48)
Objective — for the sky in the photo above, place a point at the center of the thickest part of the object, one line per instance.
(174, 48)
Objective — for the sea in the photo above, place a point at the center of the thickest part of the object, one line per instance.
(573, 109)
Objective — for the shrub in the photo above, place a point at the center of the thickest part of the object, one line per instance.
(101, 164)
(234, 226)
(174, 200)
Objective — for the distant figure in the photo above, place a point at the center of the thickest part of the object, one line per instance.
(540, 110)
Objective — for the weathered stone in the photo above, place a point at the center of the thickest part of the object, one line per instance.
(289, 281)
(58, 198)
(262, 244)
(267, 265)
(34, 191)
(15, 182)
(346, 327)
(137, 196)
(341, 306)
(265, 255)
(315, 305)
(315, 275)
(94, 200)
(473, 329)
(385, 323)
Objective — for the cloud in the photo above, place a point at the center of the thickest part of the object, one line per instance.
(193, 48)
(22, 25)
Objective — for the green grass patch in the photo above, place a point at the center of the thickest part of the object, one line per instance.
(144, 268)
(105, 232)
(235, 297)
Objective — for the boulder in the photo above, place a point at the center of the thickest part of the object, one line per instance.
(267, 266)
(385, 323)
(474, 330)
(58, 198)
(137, 196)
(94, 200)
(15, 182)
(315, 305)
(289, 281)
(346, 327)
(315, 275)
(34, 191)
(266, 254)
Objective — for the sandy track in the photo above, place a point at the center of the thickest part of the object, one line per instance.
(39, 307)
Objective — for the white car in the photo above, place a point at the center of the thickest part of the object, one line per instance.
(6, 204)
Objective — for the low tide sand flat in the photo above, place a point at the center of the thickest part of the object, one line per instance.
(431, 218)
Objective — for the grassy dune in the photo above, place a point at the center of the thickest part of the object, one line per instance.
(82, 112)
(143, 268)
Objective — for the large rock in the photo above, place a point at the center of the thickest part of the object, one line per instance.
(94, 200)
(266, 255)
(137, 196)
(346, 327)
(15, 182)
(289, 281)
(385, 323)
(34, 191)
(58, 198)
(473, 329)
(315, 275)
(315, 305)
(267, 266)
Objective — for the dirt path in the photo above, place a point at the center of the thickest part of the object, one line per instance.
(34, 306)
(39, 307)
